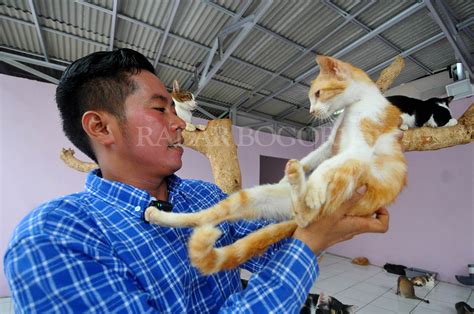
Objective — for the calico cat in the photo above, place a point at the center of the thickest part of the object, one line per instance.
(184, 105)
(324, 304)
(433, 112)
(363, 149)
(395, 269)
(406, 289)
(426, 281)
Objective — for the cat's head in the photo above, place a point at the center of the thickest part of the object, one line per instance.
(338, 85)
(183, 99)
(445, 101)
(430, 281)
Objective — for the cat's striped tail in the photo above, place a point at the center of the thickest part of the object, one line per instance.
(209, 259)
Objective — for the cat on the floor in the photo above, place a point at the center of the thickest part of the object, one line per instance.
(329, 305)
(395, 269)
(416, 113)
(426, 281)
(463, 308)
(363, 149)
(406, 289)
(184, 105)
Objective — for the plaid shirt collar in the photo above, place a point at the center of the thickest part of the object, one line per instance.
(125, 196)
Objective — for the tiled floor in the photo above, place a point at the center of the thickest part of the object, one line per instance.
(370, 288)
(373, 290)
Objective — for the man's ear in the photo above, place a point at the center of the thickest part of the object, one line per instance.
(98, 125)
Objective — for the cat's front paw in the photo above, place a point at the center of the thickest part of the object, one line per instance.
(201, 127)
(403, 127)
(452, 122)
(190, 127)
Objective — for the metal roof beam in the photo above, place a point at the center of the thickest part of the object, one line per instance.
(449, 29)
(188, 41)
(54, 31)
(354, 21)
(290, 63)
(411, 10)
(112, 26)
(246, 28)
(29, 70)
(38, 30)
(450, 12)
(426, 43)
(166, 33)
(14, 57)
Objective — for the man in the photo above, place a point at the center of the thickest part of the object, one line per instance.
(92, 251)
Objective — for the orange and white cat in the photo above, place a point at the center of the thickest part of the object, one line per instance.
(184, 104)
(363, 149)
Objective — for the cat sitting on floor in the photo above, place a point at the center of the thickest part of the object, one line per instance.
(363, 149)
(416, 113)
(184, 105)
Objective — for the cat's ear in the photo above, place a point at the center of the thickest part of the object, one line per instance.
(449, 99)
(175, 86)
(334, 67)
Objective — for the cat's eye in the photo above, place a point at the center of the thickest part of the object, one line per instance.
(317, 94)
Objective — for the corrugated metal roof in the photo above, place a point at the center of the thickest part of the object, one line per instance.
(72, 29)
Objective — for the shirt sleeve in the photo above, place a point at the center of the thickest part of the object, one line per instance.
(281, 286)
(60, 276)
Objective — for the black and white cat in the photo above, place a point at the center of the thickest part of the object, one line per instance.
(416, 113)
(324, 304)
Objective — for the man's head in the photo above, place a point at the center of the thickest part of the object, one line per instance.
(116, 110)
(100, 81)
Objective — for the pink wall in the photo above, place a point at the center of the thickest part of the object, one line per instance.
(432, 222)
(32, 173)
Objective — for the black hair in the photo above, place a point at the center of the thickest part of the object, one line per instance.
(99, 81)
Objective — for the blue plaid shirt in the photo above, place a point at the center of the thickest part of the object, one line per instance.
(93, 252)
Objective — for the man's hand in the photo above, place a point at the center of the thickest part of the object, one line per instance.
(337, 227)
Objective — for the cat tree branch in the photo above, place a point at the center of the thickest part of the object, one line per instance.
(427, 138)
(217, 144)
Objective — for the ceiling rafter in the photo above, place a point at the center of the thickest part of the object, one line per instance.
(355, 21)
(38, 29)
(411, 10)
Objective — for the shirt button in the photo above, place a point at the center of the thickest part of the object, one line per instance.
(138, 208)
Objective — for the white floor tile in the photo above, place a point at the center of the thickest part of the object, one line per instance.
(447, 296)
(5, 307)
(393, 305)
(471, 299)
(371, 309)
(370, 289)
(438, 306)
(358, 295)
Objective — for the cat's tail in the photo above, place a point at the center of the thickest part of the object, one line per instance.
(271, 201)
(209, 259)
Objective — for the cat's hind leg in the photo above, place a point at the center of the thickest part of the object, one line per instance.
(296, 178)
(332, 184)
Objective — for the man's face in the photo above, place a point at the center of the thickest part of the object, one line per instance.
(151, 129)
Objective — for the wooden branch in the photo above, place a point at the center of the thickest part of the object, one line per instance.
(67, 155)
(389, 74)
(217, 144)
(427, 138)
